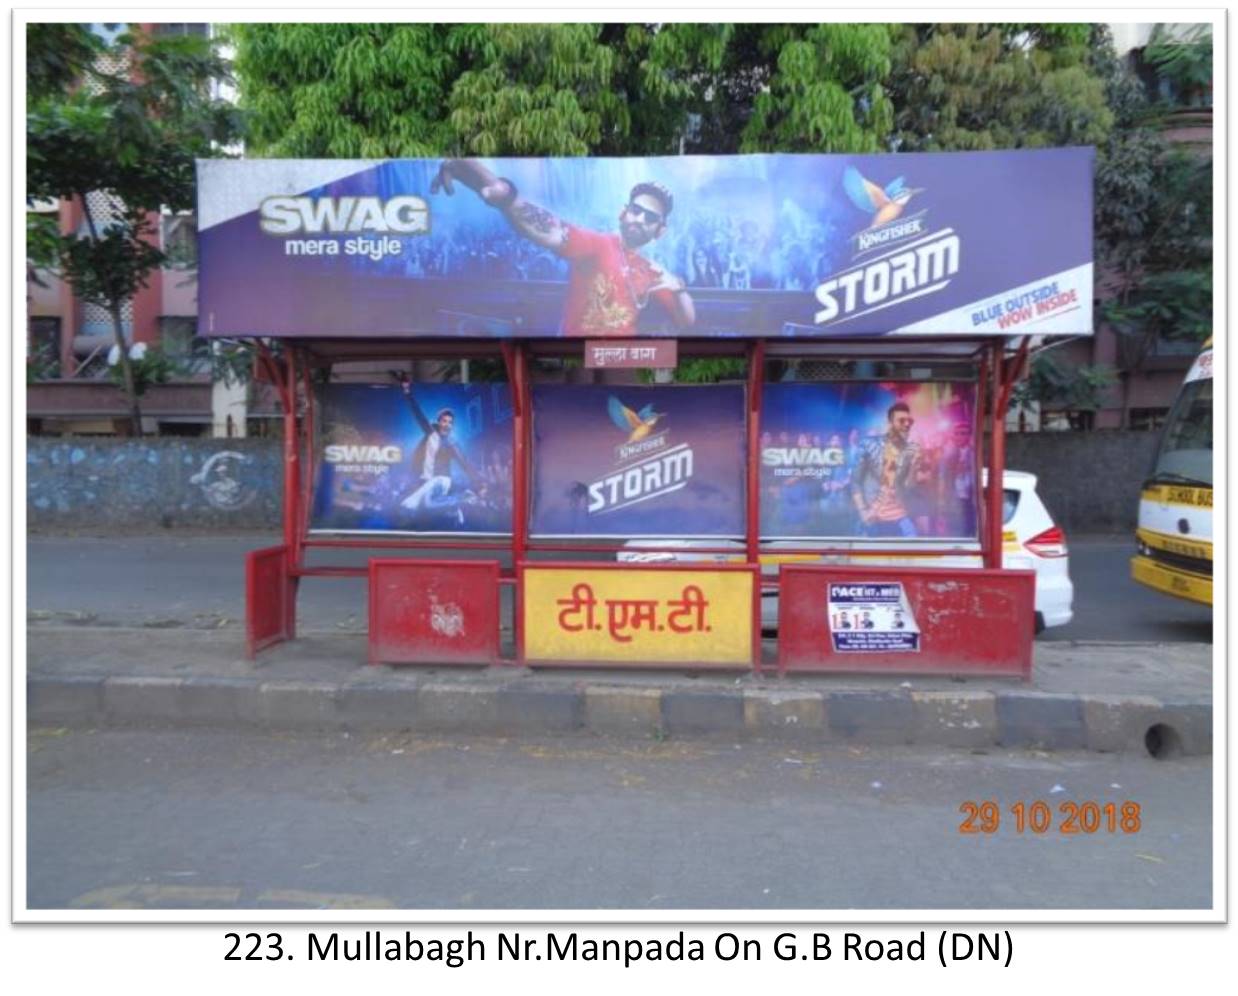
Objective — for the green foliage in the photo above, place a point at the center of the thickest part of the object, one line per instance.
(57, 56)
(1173, 305)
(349, 90)
(232, 362)
(703, 371)
(152, 366)
(131, 135)
(978, 87)
(1061, 386)
(545, 90)
(372, 90)
(826, 94)
(1186, 62)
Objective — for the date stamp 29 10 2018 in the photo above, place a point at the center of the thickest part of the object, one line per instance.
(1039, 817)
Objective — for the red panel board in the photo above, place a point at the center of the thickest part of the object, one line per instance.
(969, 621)
(434, 611)
(269, 599)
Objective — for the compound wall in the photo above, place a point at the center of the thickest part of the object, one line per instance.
(154, 483)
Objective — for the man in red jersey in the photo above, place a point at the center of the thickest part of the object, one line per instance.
(611, 282)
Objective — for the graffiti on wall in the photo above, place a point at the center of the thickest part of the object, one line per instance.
(219, 480)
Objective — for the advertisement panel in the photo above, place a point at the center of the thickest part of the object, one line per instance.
(871, 618)
(417, 458)
(849, 460)
(638, 462)
(772, 245)
(639, 615)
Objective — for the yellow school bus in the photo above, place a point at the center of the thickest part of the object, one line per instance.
(1174, 537)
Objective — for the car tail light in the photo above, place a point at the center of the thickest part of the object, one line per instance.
(1050, 543)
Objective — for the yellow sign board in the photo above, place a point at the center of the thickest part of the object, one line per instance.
(639, 614)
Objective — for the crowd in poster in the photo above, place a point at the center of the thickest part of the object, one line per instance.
(638, 461)
(884, 460)
(434, 458)
(769, 245)
(871, 617)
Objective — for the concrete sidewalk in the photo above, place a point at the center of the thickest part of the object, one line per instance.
(1099, 696)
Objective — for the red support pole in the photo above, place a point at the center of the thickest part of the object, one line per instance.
(516, 359)
(308, 465)
(997, 461)
(1005, 374)
(982, 492)
(292, 481)
(292, 477)
(756, 377)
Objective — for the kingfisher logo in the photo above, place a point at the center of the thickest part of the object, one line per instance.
(647, 467)
(647, 478)
(886, 208)
(639, 427)
(916, 269)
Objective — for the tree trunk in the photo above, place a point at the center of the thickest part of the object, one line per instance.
(126, 369)
(113, 307)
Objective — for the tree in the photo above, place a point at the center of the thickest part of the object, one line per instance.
(826, 94)
(129, 135)
(561, 89)
(1154, 205)
(961, 87)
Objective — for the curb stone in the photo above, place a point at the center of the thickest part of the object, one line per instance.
(1035, 719)
(702, 712)
(958, 719)
(879, 718)
(785, 714)
(955, 719)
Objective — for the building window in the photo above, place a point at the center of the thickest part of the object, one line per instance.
(1148, 419)
(44, 360)
(179, 239)
(169, 30)
(181, 344)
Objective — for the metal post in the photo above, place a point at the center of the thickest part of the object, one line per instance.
(756, 377)
(516, 360)
(982, 492)
(292, 481)
(997, 460)
(308, 464)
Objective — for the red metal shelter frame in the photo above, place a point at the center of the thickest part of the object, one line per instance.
(274, 575)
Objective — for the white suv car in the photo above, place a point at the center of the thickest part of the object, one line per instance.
(1030, 541)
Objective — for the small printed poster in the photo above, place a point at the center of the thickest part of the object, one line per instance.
(871, 617)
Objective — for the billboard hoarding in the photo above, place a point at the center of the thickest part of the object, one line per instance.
(637, 462)
(417, 458)
(883, 460)
(976, 243)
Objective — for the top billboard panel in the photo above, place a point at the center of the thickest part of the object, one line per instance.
(824, 246)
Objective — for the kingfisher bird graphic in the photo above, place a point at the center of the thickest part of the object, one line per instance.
(640, 424)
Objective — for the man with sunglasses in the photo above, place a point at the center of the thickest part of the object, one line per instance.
(610, 282)
(883, 477)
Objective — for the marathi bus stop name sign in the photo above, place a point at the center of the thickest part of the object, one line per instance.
(657, 354)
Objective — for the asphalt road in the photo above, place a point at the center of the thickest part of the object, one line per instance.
(163, 578)
(206, 819)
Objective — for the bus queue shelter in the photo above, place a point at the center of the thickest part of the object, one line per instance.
(854, 471)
